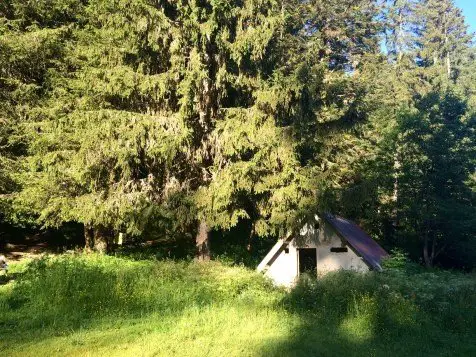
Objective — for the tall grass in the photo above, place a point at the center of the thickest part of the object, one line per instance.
(443, 298)
(108, 305)
(68, 290)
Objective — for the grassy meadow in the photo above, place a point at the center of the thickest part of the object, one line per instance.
(92, 305)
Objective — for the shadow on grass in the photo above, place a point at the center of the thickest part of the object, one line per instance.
(8, 277)
(350, 315)
(325, 334)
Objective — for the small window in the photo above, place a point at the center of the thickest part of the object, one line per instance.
(286, 250)
(339, 249)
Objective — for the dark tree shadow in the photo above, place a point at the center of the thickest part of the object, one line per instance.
(6, 278)
(349, 320)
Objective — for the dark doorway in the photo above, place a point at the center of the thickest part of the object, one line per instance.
(307, 260)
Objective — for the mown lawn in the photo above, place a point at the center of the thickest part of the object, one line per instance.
(92, 305)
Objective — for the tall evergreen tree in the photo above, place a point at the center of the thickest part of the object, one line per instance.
(29, 51)
(376, 188)
(147, 108)
(189, 112)
(438, 151)
(443, 42)
(399, 29)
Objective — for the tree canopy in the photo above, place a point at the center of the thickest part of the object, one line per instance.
(164, 118)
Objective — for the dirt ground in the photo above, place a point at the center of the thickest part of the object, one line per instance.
(28, 248)
(19, 244)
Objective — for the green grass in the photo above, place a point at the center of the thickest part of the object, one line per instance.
(98, 305)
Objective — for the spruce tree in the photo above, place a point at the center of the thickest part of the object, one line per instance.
(30, 50)
(154, 110)
(443, 42)
(399, 28)
(375, 188)
(438, 151)
(197, 113)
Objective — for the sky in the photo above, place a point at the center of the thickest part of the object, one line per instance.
(469, 12)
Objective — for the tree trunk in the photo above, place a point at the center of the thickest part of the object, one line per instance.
(88, 238)
(399, 42)
(433, 250)
(448, 59)
(448, 66)
(203, 242)
(102, 239)
(249, 247)
(396, 169)
(427, 256)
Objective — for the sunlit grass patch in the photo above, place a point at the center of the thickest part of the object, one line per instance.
(78, 305)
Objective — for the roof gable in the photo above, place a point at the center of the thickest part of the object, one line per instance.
(274, 252)
(361, 242)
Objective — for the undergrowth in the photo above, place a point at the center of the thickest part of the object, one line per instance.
(77, 304)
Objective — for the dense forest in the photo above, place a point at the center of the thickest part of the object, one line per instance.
(178, 119)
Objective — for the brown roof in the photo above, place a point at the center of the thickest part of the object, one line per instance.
(360, 241)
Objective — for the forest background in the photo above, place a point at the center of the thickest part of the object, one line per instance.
(187, 122)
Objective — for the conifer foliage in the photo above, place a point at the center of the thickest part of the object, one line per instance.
(175, 118)
(413, 187)
(152, 112)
